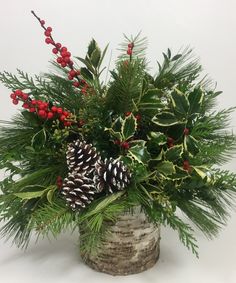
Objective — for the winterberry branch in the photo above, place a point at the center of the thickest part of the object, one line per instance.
(65, 56)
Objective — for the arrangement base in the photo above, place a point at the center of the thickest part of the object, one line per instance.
(131, 246)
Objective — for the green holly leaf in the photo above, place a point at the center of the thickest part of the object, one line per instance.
(174, 153)
(195, 99)
(165, 167)
(95, 57)
(30, 195)
(139, 152)
(191, 145)
(180, 173)
(166, 119)
(92, 46)
(157, 138)
(180, 102)
(39, 139)
(129, 126)
(114, 133)
(85, 73)
(51, 190)
(151, 100)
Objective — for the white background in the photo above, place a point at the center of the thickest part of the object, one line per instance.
(207, 25)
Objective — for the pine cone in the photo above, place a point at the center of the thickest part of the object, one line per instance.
(78, 190)
(111, 175)
(81, 157)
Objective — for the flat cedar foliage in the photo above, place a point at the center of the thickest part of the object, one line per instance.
(164, 127)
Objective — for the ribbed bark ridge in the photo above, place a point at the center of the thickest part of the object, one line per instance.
(132, 246)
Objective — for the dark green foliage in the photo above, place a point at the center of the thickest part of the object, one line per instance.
(164, 128)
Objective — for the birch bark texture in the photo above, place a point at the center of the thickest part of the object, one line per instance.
(132, 245)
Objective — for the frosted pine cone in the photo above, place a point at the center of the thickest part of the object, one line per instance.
(78, 190)
(81, 157)
(111, 175)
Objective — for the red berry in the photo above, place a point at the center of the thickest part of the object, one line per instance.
(63, 53)
(49, 29)
(63, 49)
(32, 109)
(71, 63)
(73, 73)
(25, 96)
(50, 115)
(67, 123)
(186, 131)
(83, 81)
(54, 109)
(18, 92)
(47, 33)
(138, 117)
(59, 60)
(34, 102)
(59, 110)
(186, 165)
(68, 54)
(48, 40)
(25, 105)
(15, 101)
(70, 77)
(42, 22)
(125, 145)
(66, 113)
(128, 113)
(63, 64)
(41, 106)
(42, 113)
(67, 59)
(13, 95)
(129, 51)
(78, 72)
(58, 45)
(131, 45)
(62, 117)
(54, 50)
(76, 84)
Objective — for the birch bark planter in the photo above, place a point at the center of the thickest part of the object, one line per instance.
(131, 246)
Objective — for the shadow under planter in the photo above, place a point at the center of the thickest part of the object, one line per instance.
(132, 245)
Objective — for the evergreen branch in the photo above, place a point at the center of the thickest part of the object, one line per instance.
(52, 219)
(176, 69)
(185, 232)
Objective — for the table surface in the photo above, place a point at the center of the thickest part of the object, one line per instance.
(58, 261)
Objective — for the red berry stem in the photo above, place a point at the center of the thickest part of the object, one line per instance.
(65, 57)
(130, 50)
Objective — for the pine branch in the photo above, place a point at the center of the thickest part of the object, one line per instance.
(52, 219)
(177, 69)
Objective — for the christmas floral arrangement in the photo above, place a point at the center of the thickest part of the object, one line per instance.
(82, 150)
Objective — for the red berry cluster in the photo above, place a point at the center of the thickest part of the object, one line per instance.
(186, 166)
(124, 145)
(63, 55)
(130, 48)
(41, 108)
(18, 95)
(170, 142)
